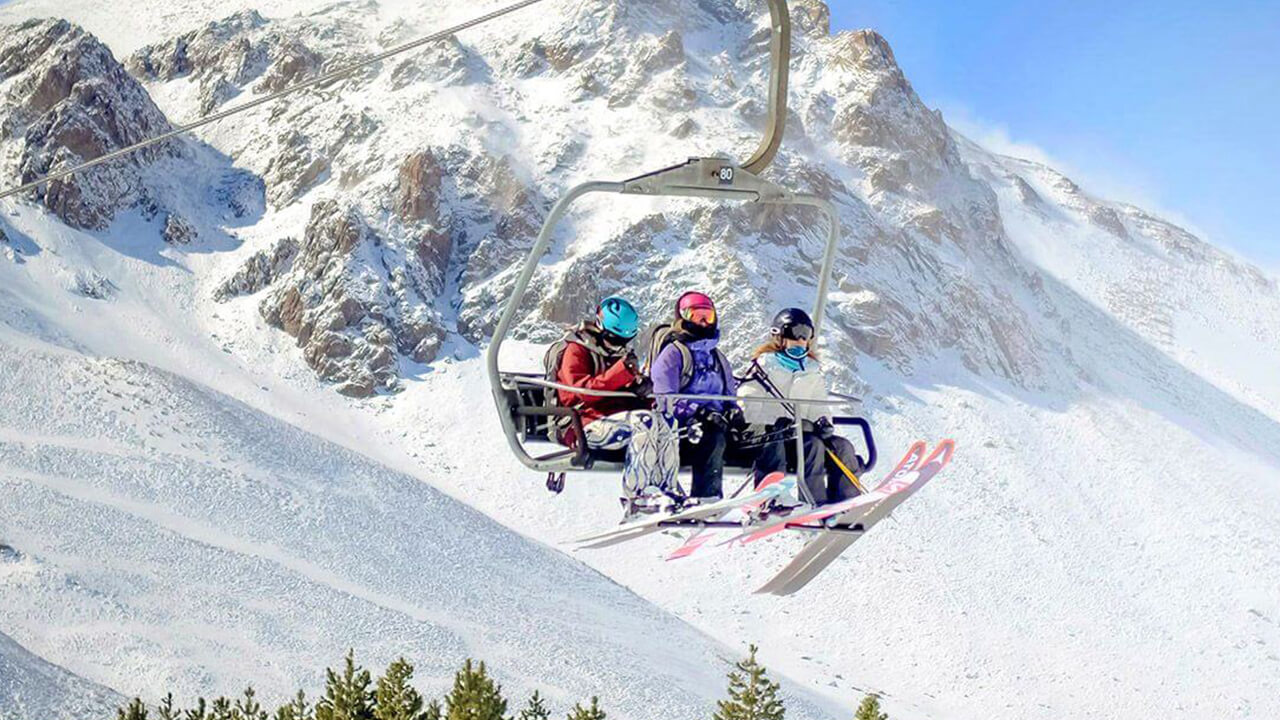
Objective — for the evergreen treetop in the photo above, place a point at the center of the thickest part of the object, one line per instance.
(752, 695)
(135, 710)
(870, 709)
(535, 710)
(591, 712)
(395, 698)
(475, 696)
(346, 697)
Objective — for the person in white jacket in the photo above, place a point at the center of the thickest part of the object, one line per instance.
(786, 366)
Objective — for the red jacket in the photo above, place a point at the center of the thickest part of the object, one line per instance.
(576, 369)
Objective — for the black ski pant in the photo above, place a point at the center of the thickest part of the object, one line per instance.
(706, 459)
(823, 477)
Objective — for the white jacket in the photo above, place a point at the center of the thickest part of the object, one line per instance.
(806, 384)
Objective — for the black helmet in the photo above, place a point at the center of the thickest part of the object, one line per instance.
(792, 324)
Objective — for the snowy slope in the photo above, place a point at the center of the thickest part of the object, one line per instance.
(1103, 546)
(32, 688)
(1209, 311)
(174, 538)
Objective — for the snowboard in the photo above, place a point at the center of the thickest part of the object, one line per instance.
(653, 455)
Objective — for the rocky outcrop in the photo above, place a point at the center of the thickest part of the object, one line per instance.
(246, 54)
(67, 100)
(354, 303)
(93, 285)
(260, 270)
(434, 172)
(448, 62)
(225, 56)
(177, 231)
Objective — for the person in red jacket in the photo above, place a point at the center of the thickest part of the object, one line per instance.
(596, 355)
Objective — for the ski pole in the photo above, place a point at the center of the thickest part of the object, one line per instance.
(847, 472)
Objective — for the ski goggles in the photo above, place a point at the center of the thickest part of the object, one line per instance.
(614, 339)
(795, 332)
(699, 315)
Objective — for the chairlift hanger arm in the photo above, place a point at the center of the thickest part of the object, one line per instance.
(779, 69)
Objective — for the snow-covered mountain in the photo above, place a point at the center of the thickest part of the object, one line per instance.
(1105, 544)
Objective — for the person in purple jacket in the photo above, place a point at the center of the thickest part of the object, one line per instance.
(689, 362)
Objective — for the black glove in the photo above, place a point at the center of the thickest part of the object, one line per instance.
(736, 418)
(824, 429)
(710, 418)
(632, 363)
(782, 424)
(643, 387)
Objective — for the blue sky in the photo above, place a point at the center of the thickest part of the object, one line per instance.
(1172, 105)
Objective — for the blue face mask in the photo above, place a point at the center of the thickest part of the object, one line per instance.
(794, 364)
(797, 352)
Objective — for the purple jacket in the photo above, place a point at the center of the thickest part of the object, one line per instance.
(710, 377)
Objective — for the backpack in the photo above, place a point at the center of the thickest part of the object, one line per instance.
(551, 368)
(664, 334)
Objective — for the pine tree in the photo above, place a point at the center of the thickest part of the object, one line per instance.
(752, 695)
(248, 707)
(135, 710)
(433, 711)
(199, 712)
(166, 710)
(395, 698)
(220, 709)
(535, 710)
(870, 709)
(295, 710)
(592, 712)
(347, 697)
(474, 696)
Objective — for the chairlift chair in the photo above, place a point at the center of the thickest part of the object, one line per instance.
(521, 397)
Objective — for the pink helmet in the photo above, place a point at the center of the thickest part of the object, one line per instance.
(696, 307)
(692, 300)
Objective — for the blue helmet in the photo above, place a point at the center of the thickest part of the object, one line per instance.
(619, 317)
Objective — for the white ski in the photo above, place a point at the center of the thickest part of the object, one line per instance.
(646, 526)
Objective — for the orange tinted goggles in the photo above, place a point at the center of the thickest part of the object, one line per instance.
(701, 316)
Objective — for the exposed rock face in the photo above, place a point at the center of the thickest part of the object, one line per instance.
(94, 286)
(446, 63)
(811, 18)
(224, 56)
(259, 271)
(67, 100)
(247, 55)
(354, 303)
(177, 231)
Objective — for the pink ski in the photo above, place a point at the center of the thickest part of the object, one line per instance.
(897, 480)
(701, 539)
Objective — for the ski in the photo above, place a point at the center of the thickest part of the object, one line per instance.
(824, 549)
(697, 515)
(817, 515)
(703, 540)
(815, 547)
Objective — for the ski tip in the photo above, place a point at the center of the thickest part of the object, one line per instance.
(771, 479)
(942, 453)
